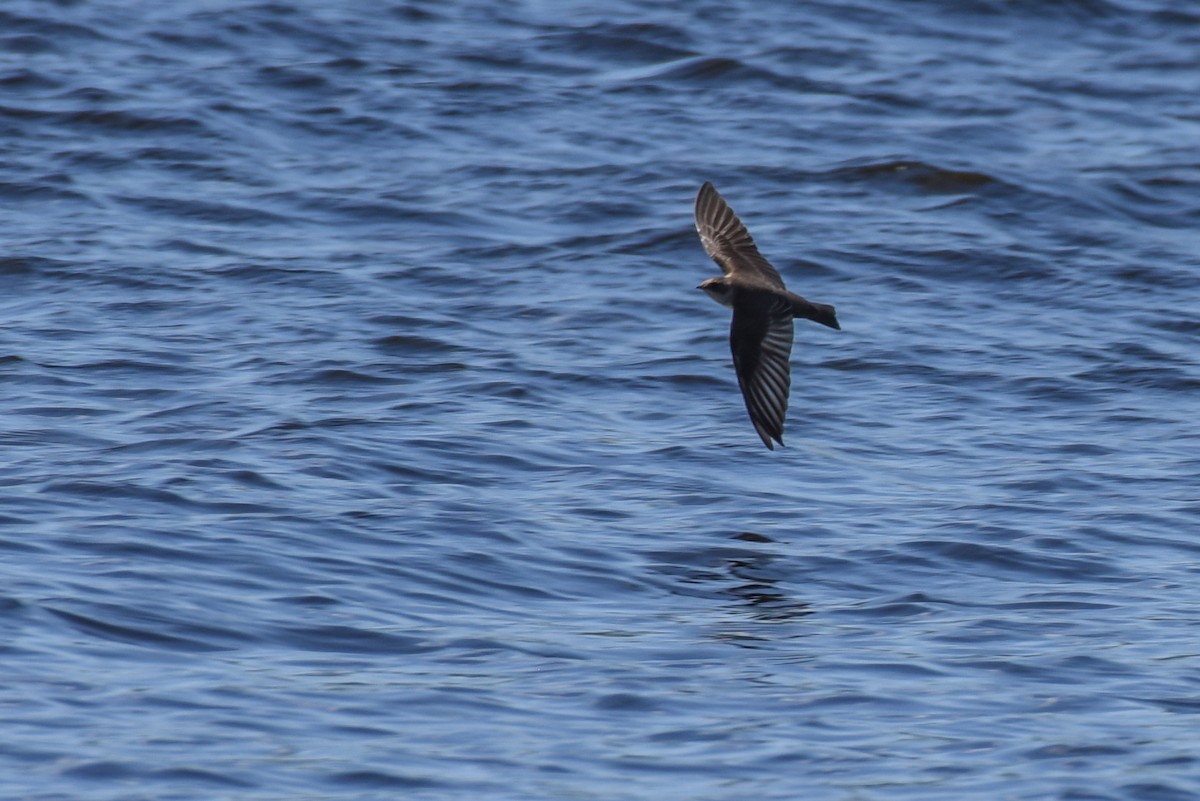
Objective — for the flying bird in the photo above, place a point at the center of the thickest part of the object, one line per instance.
(761, 333)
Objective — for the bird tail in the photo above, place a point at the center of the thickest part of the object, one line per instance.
(820, 313)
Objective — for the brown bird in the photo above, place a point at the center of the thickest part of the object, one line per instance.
(761, 333)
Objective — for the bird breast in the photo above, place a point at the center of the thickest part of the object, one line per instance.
(724, 298)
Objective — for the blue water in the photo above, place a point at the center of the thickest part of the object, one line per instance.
(365, 437)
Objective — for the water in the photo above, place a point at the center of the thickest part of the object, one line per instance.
(365, 436)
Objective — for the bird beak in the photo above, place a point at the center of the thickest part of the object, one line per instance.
(701, 286)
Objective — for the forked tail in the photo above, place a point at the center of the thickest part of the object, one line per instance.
(821, 313)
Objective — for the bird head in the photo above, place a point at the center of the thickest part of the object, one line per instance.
(719, 290)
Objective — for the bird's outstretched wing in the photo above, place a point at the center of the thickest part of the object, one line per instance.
(727, 241)
(761, 340)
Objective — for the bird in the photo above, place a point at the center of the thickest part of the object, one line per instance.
(761, 333)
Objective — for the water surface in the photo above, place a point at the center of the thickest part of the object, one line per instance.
(365, 436)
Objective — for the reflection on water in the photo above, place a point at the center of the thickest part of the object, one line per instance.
(749, 576)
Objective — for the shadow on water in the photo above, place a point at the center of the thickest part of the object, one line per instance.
(763, 597)
(746, 576)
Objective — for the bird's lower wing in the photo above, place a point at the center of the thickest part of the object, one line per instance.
(762, 350)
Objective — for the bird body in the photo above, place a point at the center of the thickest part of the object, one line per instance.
(761, 333)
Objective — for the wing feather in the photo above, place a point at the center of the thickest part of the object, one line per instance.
(761, 341)
(726, 239)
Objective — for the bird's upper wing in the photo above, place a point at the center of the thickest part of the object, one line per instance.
(727, 241)
(761, 341)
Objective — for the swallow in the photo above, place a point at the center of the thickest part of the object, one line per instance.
(760, 335)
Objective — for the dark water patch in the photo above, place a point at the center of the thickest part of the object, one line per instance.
(1150, 273)
(625, 702)
(702, 70)
(38, 24)
(183, 37)
(1055, 390)
(415, 12)
(925, 178)
(309, 600)
(1187, 706)
(1065, 751)
(26, 43)
(642, 43)
(1019, 560)
(346, 639)
(1143, 377)
(26, 265)
(406, 472)
(1157, 791)
(91, 94)
(72, 412)
(1152, 204)
(1090, 10)
(205, 211)
(505, 251)
(441, 219)
(1085, 449)
(26, 78)
(37, 190)
(292, 77)
(119, 491)
(13, 545)
(196, 247)
(139, 367)
(415, 345)
(130, 122)
(197, 776)
(150, 633)
(10, 605)
(335, 377)
(271, 275)
(43, 437)
(358, 211)
(103, 771)
(382, 780)
(172, 155)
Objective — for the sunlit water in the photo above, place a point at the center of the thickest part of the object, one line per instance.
(365, 437)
